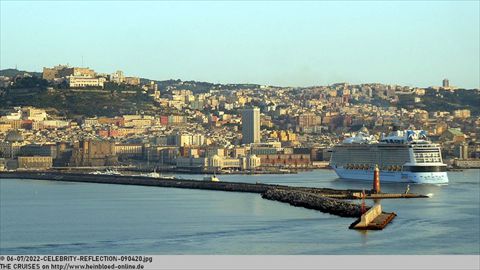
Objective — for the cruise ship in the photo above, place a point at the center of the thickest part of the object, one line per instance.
(402, 156)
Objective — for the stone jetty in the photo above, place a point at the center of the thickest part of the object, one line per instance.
(313, 201)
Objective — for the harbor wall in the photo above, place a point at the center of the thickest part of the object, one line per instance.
(139, 180)
(166, 182)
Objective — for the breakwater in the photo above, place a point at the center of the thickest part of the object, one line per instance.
(313, 201)
(326, 200)
(167, 182)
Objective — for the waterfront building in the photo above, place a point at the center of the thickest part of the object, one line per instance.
(250, 162)
(263, 150)
(192, 163)
(217, 163)
(129, 150)
(239, 151)
(45, 150)
(251, 125)
(163, 154)
(35, 162)
(93, 153)
(461, 151)
(285, 160)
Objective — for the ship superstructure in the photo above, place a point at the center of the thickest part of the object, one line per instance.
(402, 156)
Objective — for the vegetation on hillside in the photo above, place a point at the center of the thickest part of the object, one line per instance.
(30, 82)
(12, 72)
(76, 104)
(447, 101)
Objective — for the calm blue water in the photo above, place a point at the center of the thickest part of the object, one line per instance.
(46, 217)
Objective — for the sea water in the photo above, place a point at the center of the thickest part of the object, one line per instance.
(49, 217)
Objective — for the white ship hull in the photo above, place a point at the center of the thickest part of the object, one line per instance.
(396, 176)
(403, 156)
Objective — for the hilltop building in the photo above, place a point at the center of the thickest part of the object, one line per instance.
(64, 71)
(445, 83)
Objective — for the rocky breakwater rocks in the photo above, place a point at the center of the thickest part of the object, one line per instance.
(313, 201)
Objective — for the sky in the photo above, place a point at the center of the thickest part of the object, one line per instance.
(301, 43)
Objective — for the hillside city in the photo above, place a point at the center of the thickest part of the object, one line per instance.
(76, 118)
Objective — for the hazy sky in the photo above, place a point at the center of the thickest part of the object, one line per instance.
(278, 43)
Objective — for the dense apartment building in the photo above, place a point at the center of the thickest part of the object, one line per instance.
(308, 120)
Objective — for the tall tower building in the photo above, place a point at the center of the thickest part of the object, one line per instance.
(445, 83)
(251, 125)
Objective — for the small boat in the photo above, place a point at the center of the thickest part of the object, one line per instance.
(155, 174)
(212, 178)
(151, 174)
(107, 172)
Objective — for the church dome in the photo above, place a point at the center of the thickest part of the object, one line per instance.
(14, 136)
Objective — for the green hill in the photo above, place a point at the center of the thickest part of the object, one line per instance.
(11, 72)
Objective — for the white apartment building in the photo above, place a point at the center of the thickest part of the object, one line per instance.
(189, 140)
(217, 162)
(82, 81)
